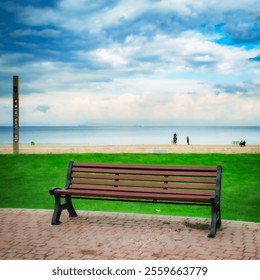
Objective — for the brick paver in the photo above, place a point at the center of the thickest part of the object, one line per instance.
(27, 234)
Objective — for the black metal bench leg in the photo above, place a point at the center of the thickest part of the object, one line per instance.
(218, 216)
(57, 211)
(60, 207)
(213, 226)
(70, 207)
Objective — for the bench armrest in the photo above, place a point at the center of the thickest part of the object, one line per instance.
(51, 191)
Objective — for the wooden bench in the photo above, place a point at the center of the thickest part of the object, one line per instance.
(193, 185)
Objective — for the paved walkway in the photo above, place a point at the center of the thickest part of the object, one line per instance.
(27, 234)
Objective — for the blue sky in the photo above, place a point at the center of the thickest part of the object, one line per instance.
(163, 62)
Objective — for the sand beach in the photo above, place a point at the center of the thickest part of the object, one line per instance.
(158, 148)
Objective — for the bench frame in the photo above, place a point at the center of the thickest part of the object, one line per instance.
(67, 194)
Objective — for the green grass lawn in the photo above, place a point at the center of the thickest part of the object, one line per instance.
(25, 181)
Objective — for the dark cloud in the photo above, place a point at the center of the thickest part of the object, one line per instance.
(43, 108)
(243, 31)
(197, 63)
(232, 89)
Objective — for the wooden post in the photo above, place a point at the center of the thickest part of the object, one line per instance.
(16, 114)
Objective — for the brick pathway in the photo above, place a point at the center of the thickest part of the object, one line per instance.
(27, 234)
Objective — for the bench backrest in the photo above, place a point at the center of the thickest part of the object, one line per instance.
(180, 178)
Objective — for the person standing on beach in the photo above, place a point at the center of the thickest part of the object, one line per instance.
(188, 140)
(175, 138)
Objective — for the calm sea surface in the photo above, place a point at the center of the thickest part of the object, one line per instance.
(128, 135)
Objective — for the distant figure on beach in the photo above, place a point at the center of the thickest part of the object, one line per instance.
(242, 143)
(175, 138)
(188, 140)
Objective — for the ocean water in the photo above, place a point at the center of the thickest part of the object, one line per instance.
(130, 135)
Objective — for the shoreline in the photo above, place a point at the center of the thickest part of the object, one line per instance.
(151, 148)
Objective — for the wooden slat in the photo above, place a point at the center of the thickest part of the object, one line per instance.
(146, 172)
(142, 190)
(145, 167)
(119, 194)
(145, 178)
(141, 184)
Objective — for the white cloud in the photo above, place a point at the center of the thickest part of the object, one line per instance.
(138, 100)
(190, 51)
(113, 57)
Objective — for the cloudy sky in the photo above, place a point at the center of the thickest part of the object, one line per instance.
(166, 62)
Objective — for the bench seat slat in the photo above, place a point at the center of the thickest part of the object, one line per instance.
(141, 184)
(144, 178)
(141, 190)
(131, 195)
(146, 172)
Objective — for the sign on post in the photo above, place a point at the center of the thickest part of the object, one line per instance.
(15, 114)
